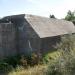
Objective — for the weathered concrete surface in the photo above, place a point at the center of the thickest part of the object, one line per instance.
(27, 38)
(7, 40)
(49, 44)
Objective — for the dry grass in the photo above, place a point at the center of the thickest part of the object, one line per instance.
(36, 70)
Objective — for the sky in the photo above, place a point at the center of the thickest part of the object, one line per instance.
(36, 7)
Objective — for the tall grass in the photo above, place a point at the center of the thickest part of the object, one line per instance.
(65, 65)
(36, 70)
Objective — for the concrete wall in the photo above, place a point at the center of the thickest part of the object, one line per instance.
(28, 39)
(49, 44)
(7, 40)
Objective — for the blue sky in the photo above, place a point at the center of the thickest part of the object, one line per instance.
(36, 7)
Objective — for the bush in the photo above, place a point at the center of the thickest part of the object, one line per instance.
(53, 69)
(13, 60)
(5, 67)
(65, 65)
(9, 63)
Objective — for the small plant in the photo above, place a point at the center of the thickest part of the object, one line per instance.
(35, 59)
(53, 68)
(5, 67)
(23, 61)
(13, 61)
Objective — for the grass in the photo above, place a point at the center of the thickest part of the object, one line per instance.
(36, 70)
(52, 56)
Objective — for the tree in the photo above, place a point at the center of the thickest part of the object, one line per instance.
(52, 16)
(70, 16)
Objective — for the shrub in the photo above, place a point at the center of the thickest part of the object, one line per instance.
(5, 67)
(65, 65)
(13, 60)
(36, 59)
(9, 63)
(23, 61)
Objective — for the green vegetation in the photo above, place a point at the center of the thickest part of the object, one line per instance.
(13, 62)
(36, 70)
(65, 64)
(53, 56)
(59, 62)
(70, 16)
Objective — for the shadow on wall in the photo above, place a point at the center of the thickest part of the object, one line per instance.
(49, 44)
